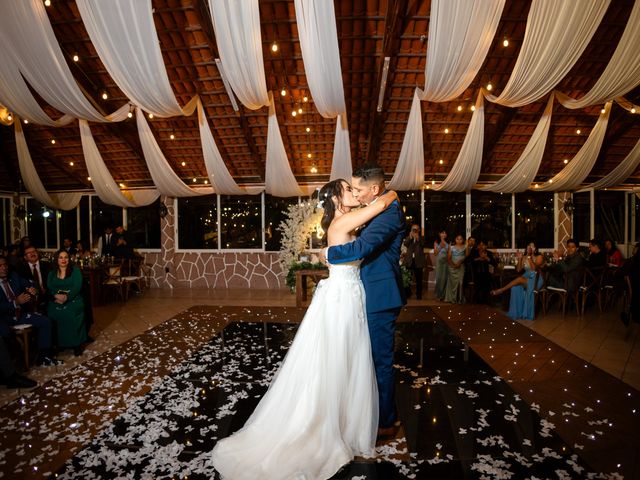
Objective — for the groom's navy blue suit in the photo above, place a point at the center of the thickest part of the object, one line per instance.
(379, 246)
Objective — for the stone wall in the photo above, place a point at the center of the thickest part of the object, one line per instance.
(565, 221)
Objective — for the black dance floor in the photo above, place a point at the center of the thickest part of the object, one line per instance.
(460, 421)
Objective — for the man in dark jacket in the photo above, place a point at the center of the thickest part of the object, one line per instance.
(571, 265)
(36, 272)
(414, 258)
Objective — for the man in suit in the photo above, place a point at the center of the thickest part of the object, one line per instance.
(123, 246)
(414, 258)
(571, 266)
(36, 271)
(16, 292)
(68, 247)
(107, 242)
(379, 246)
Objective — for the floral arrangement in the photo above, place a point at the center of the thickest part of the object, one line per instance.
(300, 222)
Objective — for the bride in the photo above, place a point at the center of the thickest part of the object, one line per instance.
(321, 408)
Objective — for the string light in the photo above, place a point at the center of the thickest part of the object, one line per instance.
(9, 117)
(89, 178)
(194, 180)
(184, 164)
(283, 92)
(305, 99)
(308, 129)
(300, 110)
(25, 121)
(53, 141)
(578, 131)
(473, 108)
(71, 164)
(314, 170)
(47, 3)
(633, 110)
(489, 86)
(565, 161)
(441, 162)
(104, 95)
(602, 111)
(459, 108)
(274, 47)
(309, 155)
(122, 185)
(446, 130)
(172, 136)
(505, 42)
(150, 116)
(206, 181)
(76, 58)
(294, 113)
(130, 114)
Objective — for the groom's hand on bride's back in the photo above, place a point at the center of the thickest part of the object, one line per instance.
(322, 256)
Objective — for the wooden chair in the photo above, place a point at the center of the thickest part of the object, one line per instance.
(113, 281)
(591, 285)
(539, 293)
(563, 293)
(131, 275)
(23, 336)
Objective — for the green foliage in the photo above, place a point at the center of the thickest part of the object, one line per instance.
(406, 276)
(294, 267)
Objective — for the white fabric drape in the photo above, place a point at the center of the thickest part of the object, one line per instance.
(460, 34)
(622, 73)
(239, 40)
(316, 22)
(125, 37)
(341, 162)
(164, 178)
(519, 178)
(279, 180)
(102, 181)
(466, 170)
(623, 171)
(627, 105)
(61, 201)
(572, 176)
(219, 176)
(26, 33)
(409, 174)
(556, 35)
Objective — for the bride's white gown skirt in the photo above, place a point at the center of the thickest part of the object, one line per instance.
(321, 408)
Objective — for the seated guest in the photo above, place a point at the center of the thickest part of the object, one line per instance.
(455, 273)
(67, 246)
(82, 252)
(14, 293)
(522, 301)
(24, 243)
(67, 307)
(597, 257)
(36, 272)
(571, 266)
(482, 264)
(8, 374)
(631, 272)
(614, 257)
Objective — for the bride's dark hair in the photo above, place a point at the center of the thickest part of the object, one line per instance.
(333, 188)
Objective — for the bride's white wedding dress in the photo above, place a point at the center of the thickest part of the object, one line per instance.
(321, 408)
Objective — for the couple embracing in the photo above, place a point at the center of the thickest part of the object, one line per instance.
(334, 392)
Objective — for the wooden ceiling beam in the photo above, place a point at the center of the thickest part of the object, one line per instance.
(396, 19)
(13, 174)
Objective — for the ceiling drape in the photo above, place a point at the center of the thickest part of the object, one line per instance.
(239, 40)
(125, 37)
(557, 33)
(622, 73)
(279, 180)
(623, 171)
(316, 22)
(60, 201)
(164, 178)
(519, 178)
(26, 33)
(466, 169)
(572, 176)
(106, 188)
(460, 34)
(409, 173)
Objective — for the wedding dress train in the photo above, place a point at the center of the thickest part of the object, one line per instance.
(321, 408)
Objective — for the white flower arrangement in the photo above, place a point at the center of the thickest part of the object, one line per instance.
(296, 230)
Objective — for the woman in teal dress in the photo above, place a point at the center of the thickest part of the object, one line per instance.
(454, 292)
(66, 309)
(522, 302)
(441, 251)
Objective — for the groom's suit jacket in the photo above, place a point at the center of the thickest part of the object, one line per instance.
(379, 246)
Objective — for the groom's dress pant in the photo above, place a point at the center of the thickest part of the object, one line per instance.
(382, 326)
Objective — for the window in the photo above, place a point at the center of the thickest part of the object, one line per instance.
(198, 222)
(143, 225)
(68, 223)
(444, 211)
(581, 217)
(241, 218)
(491, 218)
(609, 216)
(103, 215)
(7, 206)
(411, 203)
(274, 213)
(534, 219)
(41, 225)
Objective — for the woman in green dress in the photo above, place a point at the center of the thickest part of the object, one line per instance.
(454, 291)
(66, 308)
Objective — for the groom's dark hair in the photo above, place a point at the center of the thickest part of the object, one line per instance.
(370, 174)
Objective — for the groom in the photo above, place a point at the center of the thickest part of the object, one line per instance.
(378, 245)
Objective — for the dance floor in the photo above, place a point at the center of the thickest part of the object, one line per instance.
(479, 396)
